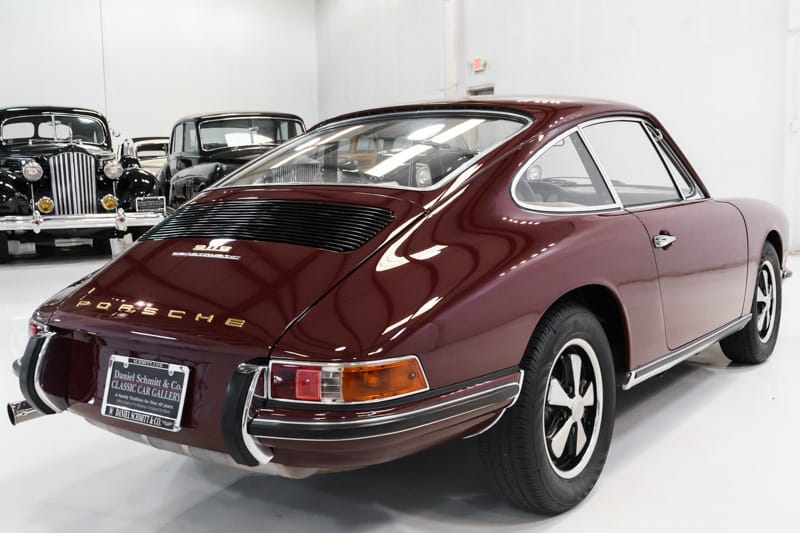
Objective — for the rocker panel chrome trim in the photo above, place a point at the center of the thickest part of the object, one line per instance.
(645, 372)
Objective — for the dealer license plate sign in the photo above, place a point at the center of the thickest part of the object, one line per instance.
(155, 204)
(145, 392)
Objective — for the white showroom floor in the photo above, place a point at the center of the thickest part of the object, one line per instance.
(706, 447)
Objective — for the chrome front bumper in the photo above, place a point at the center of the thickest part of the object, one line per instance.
(119, 220)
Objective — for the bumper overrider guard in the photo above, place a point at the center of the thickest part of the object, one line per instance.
(29, 369)
(244, 424)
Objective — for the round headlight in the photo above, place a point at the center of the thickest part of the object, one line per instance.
(32, 171)
(113, 170)
(45, 205)
(109, 202)
(423, 176)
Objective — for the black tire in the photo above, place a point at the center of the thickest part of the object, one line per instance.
(529, 467)
(754, 343)
(5, 257)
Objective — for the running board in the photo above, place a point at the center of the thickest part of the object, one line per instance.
(645, 372)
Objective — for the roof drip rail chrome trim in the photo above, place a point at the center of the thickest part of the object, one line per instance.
(654, 368)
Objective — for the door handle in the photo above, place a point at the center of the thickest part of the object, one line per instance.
(662, 241)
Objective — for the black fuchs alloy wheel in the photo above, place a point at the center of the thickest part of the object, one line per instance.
(547, 452)
(755, 342)
(572, 408)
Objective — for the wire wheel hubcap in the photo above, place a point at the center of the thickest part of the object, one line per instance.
(572, 408)
(766, 301)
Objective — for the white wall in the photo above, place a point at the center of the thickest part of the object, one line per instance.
(723, 75)
(376, 52)
(50, 53)
(713, 71)
(149, 62)
(167, 59)
(791, 189)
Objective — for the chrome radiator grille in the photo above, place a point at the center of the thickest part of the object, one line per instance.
(299, 173)
(74, 183)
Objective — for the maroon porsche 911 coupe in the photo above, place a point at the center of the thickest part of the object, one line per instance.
(399, 277)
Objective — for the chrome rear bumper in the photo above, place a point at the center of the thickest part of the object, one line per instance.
(120, 220)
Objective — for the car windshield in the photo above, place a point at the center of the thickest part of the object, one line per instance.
(243, 131)
(408, 151)
(53, 127)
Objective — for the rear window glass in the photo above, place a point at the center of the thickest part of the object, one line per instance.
(408, 151)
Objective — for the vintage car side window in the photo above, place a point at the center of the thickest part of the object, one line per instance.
(177, 139)
(631, 162)
(189, 137)
(564, 175)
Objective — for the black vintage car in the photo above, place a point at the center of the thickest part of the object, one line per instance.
(60, 183)
(204, 148)
(148, 153)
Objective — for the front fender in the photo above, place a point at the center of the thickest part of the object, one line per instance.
(185, 184)
(135, 183)
(13, 195)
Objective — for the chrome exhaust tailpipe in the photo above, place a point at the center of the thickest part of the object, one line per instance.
(19, 412)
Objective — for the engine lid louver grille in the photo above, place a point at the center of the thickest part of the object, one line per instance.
(336, 227)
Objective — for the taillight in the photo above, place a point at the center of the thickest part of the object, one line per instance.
(35, 327)
(346, 382)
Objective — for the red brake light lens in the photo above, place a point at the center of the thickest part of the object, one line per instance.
(307, 384)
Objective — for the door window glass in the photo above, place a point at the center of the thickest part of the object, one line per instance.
(177, 139)
(631, 162)
(564, 175)
(189, 137)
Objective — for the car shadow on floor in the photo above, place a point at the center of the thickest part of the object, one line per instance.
(447, 485)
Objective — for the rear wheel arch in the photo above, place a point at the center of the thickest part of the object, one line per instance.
(774, 238)
(607, 307)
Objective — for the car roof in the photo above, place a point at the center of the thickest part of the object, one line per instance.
(235, 114)
(26, 110)
(561, 108)
(138, 140)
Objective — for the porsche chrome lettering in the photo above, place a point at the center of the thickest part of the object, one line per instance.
(179, 314)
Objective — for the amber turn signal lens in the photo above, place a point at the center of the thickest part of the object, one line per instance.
(45, 205)
(109, 202)
(375, 382)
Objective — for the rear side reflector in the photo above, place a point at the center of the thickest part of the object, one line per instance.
(346, 382)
